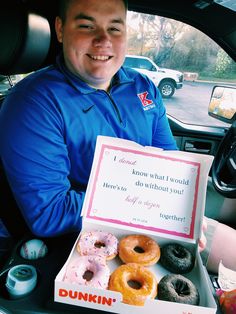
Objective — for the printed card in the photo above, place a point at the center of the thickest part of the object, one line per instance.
(143, 188)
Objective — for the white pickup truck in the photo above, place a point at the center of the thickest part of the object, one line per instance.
(165, 79)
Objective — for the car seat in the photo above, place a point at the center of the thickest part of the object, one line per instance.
(25, 43)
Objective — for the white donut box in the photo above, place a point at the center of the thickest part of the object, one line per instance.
(143, 190)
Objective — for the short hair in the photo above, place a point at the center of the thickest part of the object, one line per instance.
(63, 6)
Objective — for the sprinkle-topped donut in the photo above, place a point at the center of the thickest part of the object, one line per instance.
(89, 271)
(98, 243)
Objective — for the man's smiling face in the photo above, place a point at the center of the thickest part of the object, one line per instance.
(94, 39)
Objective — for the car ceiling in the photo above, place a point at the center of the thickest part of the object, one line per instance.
(215, 20)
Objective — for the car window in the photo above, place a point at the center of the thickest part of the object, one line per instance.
(6, 83)
(131, 62)
(138, 63)
(174, 45)
(144, 64)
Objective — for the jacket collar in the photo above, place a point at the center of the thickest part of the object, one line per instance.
(119, 78)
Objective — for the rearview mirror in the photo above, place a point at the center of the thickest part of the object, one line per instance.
(223, 103)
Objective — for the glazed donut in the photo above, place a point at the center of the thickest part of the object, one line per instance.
(89, 271)
(98, 243)
(144, 280)
(139, 249)
(177, 288)
(176, 258)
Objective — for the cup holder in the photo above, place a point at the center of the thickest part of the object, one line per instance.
(46, 260)
(18, 282)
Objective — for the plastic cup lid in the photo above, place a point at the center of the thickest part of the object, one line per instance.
(21, 279)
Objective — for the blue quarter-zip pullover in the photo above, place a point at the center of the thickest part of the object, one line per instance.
(49, 123)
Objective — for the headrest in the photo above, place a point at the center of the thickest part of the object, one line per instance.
(24, 37)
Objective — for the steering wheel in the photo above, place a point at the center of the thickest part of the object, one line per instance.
(224, 165)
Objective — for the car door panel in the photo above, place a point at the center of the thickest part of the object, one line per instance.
(196, 139)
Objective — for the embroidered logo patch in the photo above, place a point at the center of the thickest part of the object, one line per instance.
(147, 103)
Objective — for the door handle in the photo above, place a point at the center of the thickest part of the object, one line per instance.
(197, 147)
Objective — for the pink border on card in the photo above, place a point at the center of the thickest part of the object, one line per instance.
(116, 221)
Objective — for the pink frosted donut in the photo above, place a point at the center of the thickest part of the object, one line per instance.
(89, 271)
(98, 243)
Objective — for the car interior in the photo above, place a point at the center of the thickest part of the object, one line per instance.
(28, 43)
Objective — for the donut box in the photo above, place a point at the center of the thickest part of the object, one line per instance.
(136, 190)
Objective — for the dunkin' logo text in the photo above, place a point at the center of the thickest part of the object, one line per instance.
(87, 297)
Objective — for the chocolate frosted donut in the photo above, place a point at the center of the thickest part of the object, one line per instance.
(176, 258)
(177, 288)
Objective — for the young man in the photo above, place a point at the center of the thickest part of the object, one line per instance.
(61, 110)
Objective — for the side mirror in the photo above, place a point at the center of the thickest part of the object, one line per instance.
(223, 103)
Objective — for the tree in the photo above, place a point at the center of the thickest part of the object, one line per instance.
(153, 36)
(223, 63)
(176, 45)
